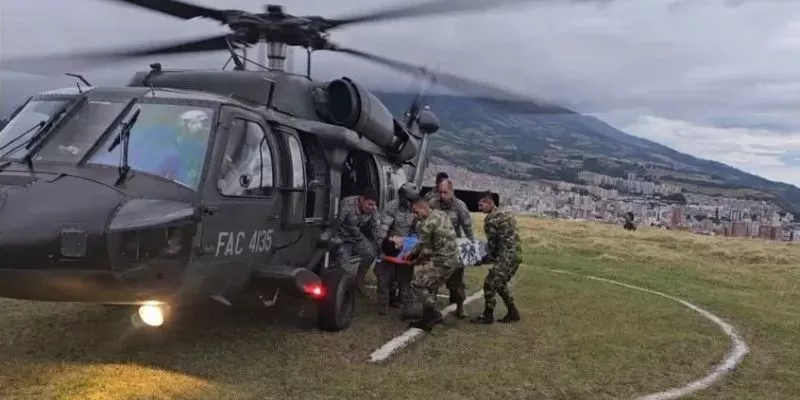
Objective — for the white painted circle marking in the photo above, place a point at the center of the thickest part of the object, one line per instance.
(733, 358)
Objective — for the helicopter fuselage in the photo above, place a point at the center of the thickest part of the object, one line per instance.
(252, 204)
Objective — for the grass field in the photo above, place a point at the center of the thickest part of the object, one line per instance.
(579, 338)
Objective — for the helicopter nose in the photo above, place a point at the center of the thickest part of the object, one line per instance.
(54, 221)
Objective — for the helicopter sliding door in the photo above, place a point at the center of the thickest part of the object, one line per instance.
(241, 224)
(318, 178)
(294, 197)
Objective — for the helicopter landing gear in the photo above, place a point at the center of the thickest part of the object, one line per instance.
(337, 305)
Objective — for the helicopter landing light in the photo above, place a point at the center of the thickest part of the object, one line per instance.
(151, 314)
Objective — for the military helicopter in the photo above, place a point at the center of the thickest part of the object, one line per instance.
(186, 185)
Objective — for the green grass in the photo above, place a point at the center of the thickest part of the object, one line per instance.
(579, 338)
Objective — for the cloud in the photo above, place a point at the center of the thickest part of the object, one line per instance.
(725, 69)
(758, 151)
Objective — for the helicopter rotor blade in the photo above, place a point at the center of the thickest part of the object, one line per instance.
(178, 9)
(482, 91)
(431, 7)
(55, 65)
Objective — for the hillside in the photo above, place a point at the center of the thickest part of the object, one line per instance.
(523, 147)
(488, 140)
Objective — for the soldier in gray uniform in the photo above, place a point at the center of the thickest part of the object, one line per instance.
(398, 220)
(458, 213)
(360, 232)
(441, 176)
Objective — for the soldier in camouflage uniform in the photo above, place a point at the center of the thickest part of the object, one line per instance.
(459, 216)
(505, 250)
(359, 229)
(437, 255)
(441, 176)
(398, 220)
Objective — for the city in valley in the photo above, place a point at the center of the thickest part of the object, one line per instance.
(608, 199)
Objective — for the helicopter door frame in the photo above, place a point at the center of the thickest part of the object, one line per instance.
(294, 193)
(318, 181)
(242, 231)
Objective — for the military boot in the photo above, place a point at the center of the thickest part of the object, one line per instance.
(383, 308)
(511, 316)
(430, 317)
(394, 299)
(408, 313)
(460, 314)
(486, 318)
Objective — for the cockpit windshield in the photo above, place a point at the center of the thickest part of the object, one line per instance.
(168, 140)
(71, 143)
(24, 125)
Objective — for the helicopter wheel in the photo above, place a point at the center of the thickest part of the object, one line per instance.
(336, 309)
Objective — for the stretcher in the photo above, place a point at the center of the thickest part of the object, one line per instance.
(469, 251)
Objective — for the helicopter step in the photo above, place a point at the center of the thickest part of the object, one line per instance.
(333, 290)
(289, 279)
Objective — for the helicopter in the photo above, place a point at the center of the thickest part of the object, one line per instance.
(188, 185)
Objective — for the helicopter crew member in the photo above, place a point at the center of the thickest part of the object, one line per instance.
(437, 254)
(359, 230)
(459, 216)
(441, 176)
(398, 220)
(505, 250)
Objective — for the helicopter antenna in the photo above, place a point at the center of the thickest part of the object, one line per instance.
(82, 79)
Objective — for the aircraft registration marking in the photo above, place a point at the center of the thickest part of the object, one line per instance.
(236, 243)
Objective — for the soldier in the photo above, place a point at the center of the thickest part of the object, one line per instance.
(397, 221)
(459, 216)
(438, 252)
(441, 176)
(505, 250)
(359, 230)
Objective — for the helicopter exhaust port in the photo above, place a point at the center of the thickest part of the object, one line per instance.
(151, 314)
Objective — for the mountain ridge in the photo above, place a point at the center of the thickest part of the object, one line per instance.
(487, 139)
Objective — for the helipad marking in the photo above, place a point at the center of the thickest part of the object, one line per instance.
(411, 334)
(733, 358)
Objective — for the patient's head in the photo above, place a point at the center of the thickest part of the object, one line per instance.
(392, 246)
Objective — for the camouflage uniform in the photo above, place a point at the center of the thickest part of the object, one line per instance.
(505, 250)
(360, 234)
(437, 244)
(459, 216)
(397, 220)
(458, 213)
(430, 196)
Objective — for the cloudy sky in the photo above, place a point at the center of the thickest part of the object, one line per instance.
(713, 78)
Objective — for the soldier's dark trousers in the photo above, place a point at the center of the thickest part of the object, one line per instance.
(388, 273)
(496, 284)
(366, 252)
(455, 285)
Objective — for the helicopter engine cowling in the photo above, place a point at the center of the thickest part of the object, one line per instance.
(350, 105)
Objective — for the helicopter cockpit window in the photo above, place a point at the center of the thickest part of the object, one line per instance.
(247, 163)
(167, 140)
(25, 123)
(79, 133)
